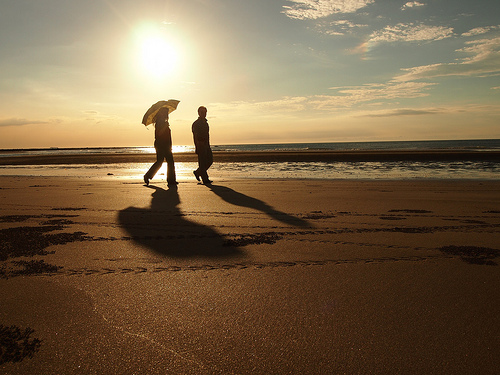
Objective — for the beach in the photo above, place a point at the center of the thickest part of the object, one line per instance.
(247, 276)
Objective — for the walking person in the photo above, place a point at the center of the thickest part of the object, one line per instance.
(201, 139)
(163, 146)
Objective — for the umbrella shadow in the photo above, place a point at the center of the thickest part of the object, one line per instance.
(163, 229)
(238, 199)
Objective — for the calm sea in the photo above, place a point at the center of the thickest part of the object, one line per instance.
(301, 170)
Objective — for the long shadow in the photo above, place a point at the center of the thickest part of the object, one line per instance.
(163, 229)
(238, 199)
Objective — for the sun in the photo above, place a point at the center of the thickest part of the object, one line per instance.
(158, 57)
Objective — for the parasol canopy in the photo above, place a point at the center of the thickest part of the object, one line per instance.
(150, 114)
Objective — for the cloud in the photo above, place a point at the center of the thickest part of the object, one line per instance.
(482, 58)
(383, 91)
(341, 27)
(347, 97)
(97, 117)
(412, 4)
(481, 30)
(484, 61)
(19, 122)
(286, 104)
(448, 110)
(404, 112)
(411, 33)
(314, 9)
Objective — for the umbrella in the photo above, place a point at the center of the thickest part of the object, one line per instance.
(149, 116)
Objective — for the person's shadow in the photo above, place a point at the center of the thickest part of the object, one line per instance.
(238, 199)
(163, 229)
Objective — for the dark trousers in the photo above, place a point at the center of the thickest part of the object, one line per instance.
(205, 160)
(163, 152)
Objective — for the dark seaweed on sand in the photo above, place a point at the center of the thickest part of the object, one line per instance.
(16, 344)
(473, 254)
(35, 267)
(30, 241)
(249, 239)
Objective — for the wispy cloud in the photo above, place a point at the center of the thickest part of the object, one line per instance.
(404, 112)
(432, 111)
(481, 30)
(314, 9)
(412, 4)
(340, 27)
(383, 91)
(20, 122)
(346, 97)
(410, 32)
(484, 61)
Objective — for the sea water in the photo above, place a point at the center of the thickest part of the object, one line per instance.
(286, 170)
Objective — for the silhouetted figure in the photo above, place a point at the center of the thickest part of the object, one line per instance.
(202, 146)
(163, 146)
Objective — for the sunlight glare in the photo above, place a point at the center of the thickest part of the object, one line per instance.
(158, 56)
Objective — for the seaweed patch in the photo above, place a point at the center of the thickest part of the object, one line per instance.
(249, 239)
(316, 215)
(473, 254)
(16, 344)
(14, 218)
(34, 267)
(29, 241)
(392, 218)
(69, 208)
(412, 211)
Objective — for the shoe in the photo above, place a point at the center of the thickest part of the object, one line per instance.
(175, 183)
(197, 175)
(146, 180)
(207, 182)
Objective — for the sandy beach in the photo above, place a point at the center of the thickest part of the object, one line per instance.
(249, 276)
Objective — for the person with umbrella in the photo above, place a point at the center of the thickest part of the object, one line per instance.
(158, 114)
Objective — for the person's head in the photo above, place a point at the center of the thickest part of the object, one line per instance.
(202, 112)
(162, 114)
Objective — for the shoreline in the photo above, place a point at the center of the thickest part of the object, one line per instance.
(263, 156)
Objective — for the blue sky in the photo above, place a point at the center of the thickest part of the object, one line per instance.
(82, 74)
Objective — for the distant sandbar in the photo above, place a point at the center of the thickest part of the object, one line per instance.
(262, 156)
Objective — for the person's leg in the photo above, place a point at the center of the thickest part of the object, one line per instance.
(210, 158)
(171, 179)
(199, 172)
(160, 156)
(204, 162)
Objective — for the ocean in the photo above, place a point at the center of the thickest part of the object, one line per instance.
(299, 170)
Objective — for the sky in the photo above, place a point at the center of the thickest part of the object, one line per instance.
(83, 73)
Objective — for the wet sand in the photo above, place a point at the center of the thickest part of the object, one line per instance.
(260, 156)
(249, 276)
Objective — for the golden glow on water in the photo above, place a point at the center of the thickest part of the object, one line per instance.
(146, 150)
(175, 149)
(183, 171)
